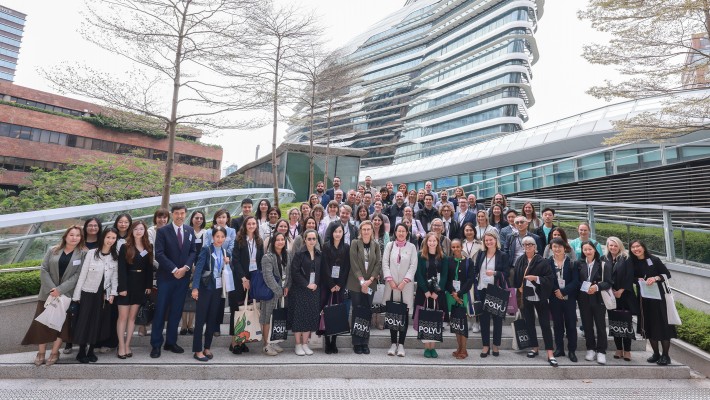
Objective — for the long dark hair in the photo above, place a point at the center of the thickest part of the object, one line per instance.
(131, 244)
(130, 223)
(646, 253)
(102, 239)
(563, 236)
(283, 258)
(597, 256)
(204, 222)
(381, 231)
(242, 235)
(257, 214)
(86, 224)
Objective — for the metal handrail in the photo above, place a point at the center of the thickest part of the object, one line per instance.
(696, 298)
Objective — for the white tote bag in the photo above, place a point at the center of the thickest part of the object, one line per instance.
(55, 312)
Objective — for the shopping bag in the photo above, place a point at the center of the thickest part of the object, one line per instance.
(620, 324)
(458, 320)
(278, 332)
(379, 295)
(145, 313)
(671, 311)
(431, 325)
(496, 300)
(55, 312)
(396, 315)
(521, 338)
(335, 317)
(362, 317)
(512, 301)
(247, 328)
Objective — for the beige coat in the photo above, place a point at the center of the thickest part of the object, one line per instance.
(405, 268)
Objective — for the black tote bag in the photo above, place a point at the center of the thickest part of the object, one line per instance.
(459, 321)
(620, 324)
(362, 317)
(396, 314)
(431, 325)
(521, 338)
(278, 332)
(336, 319)
(496, 300)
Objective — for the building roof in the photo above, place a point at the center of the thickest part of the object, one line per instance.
(303, 148)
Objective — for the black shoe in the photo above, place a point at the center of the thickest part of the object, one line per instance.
(203, 358)
(495, 353)
(92, 357)
(191, 331)
(365, 349)
(235, 349)
(183, 332)
(357, 349)
(155, 352)
(484, 355)
(533, 354)
(334, 349)
(558, 353)
(328, 348)
(664, 360)
(553, 362)
(82, 358)
(572, 357)
(174, 348)
(245, 349)
(654, 358)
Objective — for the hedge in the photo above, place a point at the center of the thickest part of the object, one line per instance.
(23, 264)
(19, 284)
(695, 328)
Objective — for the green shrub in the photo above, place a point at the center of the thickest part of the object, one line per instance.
(23, 264)
(19, 284)
(696, 327)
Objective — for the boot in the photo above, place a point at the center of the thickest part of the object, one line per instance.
(334, 346)
(328, 345)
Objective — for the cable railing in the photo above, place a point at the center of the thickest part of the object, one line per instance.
(27, 235)
(678, 234)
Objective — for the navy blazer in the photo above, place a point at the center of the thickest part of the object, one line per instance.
(501, 271)
(206, 260)
(169, 255)
(470, 217)
(325, 199)
(571, 276)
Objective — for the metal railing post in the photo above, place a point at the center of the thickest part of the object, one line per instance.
(592, 225)
(668, 235)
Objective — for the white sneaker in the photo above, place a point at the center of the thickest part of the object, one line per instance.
(400, 350)
(476, 327)
(393, 350)
(269, 351)
(276, 347)
(601, 358)
(307, 350)
(299, 350)
(591, 355)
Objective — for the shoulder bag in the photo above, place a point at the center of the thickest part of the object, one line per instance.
(607, 295)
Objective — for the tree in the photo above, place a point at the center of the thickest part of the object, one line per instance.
(177, 48)
(91, 181)
(281, 35)
(651, 44)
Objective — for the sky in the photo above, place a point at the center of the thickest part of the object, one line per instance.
(560, 77)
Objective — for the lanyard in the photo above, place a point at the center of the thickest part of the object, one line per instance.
(589, 271)
(367, 252)
(220, 260)
(489, 260)
(293, 232)
(252, 249)
(469, 249)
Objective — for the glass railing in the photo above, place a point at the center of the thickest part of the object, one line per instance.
(28, 235)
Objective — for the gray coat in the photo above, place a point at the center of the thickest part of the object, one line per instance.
(49, 273)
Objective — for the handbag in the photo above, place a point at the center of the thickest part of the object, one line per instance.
(55, 312)
(396, 314)
(521, 338)
(362, 317)
(206, 277)
(496, 300)
(620, 324)
(431, 325)
(335, 319)
(671, 311)
(512, 301)
(278, 332)
(607, 295)
(145, 312)
(379, 295)
(246, 323)
(519, 292)
(458, 319)
(259, 290)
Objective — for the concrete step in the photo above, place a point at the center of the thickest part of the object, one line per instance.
(381, 339)
(377, 365)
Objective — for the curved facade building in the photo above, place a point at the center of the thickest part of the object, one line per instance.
(434, 76)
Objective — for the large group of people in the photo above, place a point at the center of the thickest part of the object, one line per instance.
(437, 250)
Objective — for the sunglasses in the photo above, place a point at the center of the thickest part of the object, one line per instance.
(311, 239)
(520, 222)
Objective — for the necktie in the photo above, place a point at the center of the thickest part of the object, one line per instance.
(179, 237)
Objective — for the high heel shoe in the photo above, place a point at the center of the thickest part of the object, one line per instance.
(486, 353)
(53, 358)
(495, 353)
(39, 359)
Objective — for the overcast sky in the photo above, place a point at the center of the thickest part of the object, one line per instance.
(560, 77)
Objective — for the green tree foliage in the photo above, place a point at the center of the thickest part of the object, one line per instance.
(651, 45)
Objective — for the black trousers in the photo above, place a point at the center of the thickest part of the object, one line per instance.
(485, 320)
(593, 312)
(360, 299)
(543, 312)
(208, 303)
(219, 317)
(564, 318)
(400, 336)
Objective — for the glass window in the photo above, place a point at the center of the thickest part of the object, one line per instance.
(593, 166)
(693, 152)
(626, 160)
(564, 172)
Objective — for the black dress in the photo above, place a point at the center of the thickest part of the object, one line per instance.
(304, 303)
(654, 322)
(133, 278)
(93, 323)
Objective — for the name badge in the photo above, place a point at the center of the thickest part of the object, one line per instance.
(438, 277)
(367, 265)
(561, 282)
(487, 280)
(428, 226)
(76, 262)
(335, 272)
(198, 240)
(190, 237)
(252, 265)
(585, 286)
(529, 284)
(457, 285)
(649, 262)
(144, 253)
(312, 278)
(214, 256)
(218, 281)
(397, 220)
(369, 291)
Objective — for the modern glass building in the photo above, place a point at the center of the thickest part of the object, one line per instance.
(12, 24)
(434, 76)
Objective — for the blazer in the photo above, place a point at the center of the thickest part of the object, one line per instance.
(538, 267)
(169, 256)
(509, 245)
(270, 271)
(426, 216)
(324, 200)
(421, 275)
(93, 271)
(331, 227)
(394, 212)
(207, 261)
(501, 270)
(49, 273)
(455, 231)
(237, 223)
(622, 277)
(541, 233)
(571, 276)
(240, 269)
(124, 268)
(228, 244)
(357, 264)
(301, 266)
(603, 282)
(339, 256)
(404, 270)
(468, 217)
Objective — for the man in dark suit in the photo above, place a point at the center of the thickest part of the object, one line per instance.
(395, 212)
(350, 230)
(336, 186)
(548, 216)
(514, 243)
(175, 254)
(464, 215)
(323, 198)
(247, 205)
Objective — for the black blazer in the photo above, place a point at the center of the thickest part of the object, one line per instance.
(571, 276)
(334, 224)
(426, 216)
(541, 233)
(538, 267)
(240, 268)
(339, 256)
(237, 223)
(465, 274)
(169, 255)
(302, 266)
(501, 271)
(455, 231)
(604, 282)
(622, 277)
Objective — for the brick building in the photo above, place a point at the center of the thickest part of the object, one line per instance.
(32, 138)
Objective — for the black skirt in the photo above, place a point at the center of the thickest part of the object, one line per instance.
(304, 309)
(93, 323)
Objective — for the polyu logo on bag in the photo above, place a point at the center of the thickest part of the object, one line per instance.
(616, 328)
(457, 326)
(496, 305)
(523, 338)
(431, 329)
(279, 329)
(393, 322)
(360, 327)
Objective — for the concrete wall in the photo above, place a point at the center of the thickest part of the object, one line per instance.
(16, 316)
(692, 280)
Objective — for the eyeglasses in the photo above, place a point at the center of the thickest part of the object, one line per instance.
(311, 239)
(200, 218)
(529, 244)
(520, 222)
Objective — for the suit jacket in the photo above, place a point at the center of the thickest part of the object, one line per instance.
(169, 256)
(455, 231)
(325, 199)
(207, 261)
(49, 273)
(237, 223)
(331, 193)
(426, 216)
(539, 267)
(603, 282)
(93, 272)
(339, 256)
(394, 212)
(501, 271)
(469, 217)
(357, 264)
(240, 269)
(571, 276)
(541, 233)
(509, 245)
(301, 267)
(331, 227)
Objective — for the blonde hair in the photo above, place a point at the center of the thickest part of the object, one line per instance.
(622, 249)
(492, 234)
